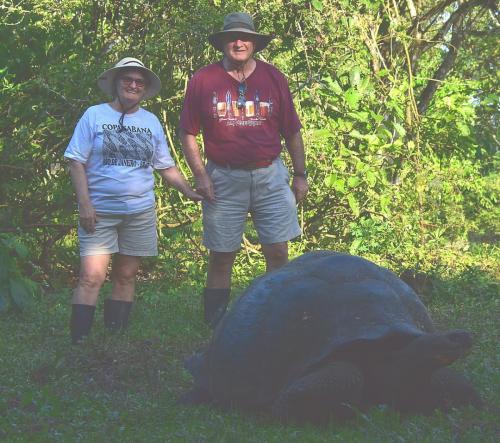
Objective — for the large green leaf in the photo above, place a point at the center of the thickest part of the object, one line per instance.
(371, 178)
(399, 129)
(5, 263)
(354, 181)
(318, 5)
(4, 297)
(335, 182)
(353, 204)
(365, 85)
(352, 97)
(355, 76)
(21, 293)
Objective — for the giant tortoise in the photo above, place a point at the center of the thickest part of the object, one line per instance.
(324, 336)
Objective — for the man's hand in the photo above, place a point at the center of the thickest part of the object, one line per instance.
(300, 188)
(204, 186)
(193, 195)
(295, 146)
(88, 217)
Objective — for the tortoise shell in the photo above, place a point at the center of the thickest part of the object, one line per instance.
(291, 321)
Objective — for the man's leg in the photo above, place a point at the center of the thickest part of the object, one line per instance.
(220, 268)
(218, 288)
(223, 223)
(117, 309)
(276, 255)
(274, 213)
(92, 274)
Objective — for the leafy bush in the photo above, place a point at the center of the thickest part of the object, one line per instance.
(16, 291)
(400, 139)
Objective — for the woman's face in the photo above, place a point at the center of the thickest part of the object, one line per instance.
(131, 86)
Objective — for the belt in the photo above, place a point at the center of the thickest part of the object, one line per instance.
(251, 166)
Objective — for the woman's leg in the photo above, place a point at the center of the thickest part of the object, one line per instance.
(92, 274)
(93, 270)
(117, 308)
(123, 275)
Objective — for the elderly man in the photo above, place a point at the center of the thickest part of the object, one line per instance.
(243, 107)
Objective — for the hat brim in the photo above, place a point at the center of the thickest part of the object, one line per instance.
(107, 79)
(261, 40)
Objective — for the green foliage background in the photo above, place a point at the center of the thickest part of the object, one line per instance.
(396, 172)
(399, 103)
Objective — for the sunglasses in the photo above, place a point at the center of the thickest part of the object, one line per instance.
(127, 81)
(242, 89)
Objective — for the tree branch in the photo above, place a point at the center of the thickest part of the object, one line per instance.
(459, 31)
(455, 16)
(412, 9)
(436, 10)
(443, 70)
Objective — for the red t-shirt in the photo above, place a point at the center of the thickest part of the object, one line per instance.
(237, 136)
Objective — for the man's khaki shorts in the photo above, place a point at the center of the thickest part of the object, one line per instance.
(264, 193)
(128, 234)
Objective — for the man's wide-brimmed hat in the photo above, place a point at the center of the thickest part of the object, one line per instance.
(106, 80)
(240, 22)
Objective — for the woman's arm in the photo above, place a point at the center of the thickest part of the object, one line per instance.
(81, 186)
(173, 177)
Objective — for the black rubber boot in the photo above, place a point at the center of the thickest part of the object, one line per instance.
(214, 305)
(116, 313)
(80, 324)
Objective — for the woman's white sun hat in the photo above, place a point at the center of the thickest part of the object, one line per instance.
(106, 80)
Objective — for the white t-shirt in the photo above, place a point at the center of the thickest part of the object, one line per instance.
(119, 165)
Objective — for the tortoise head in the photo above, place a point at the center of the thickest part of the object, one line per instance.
(452, 345)
(432, 351)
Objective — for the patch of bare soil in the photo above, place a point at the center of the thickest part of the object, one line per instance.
(140, 366)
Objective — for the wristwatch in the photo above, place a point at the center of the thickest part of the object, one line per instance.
(300, 174)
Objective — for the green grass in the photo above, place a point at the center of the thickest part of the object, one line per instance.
(124, 387)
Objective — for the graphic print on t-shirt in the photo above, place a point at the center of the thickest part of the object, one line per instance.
(132, 147)
(227, 108)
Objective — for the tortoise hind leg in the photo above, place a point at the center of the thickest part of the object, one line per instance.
(450, 389)
(330, 391)
(195, 397)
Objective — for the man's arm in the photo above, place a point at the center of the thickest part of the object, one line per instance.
(81, 186)
(295, 147)
(203, 183)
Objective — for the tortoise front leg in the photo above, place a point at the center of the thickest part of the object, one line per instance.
(331, 391)
(451, 389)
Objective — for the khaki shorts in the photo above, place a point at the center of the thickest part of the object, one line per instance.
(128, 234)
(264, 193)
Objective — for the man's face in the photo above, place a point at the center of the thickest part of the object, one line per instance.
(238, 47)
(131, 86)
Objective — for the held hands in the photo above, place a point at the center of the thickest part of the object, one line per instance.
(193, 195)
(88, 217)
(300, 188)
(174, 178)
(204, 186)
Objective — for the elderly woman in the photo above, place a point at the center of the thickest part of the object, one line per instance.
(114, 150)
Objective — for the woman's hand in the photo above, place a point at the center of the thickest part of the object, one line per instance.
(174, 178)
(88, 217)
